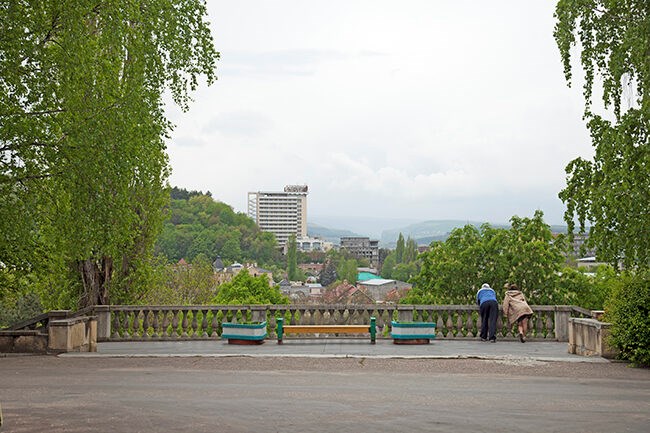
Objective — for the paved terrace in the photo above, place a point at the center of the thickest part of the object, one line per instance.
(344, 348)
(323, 386)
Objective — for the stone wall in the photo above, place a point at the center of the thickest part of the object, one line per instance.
(589, 337)
(23, 342)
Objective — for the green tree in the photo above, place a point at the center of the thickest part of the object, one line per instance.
(399, 249)
(328, 275)
(292, 264)
(388, 266)
(404, 271)
(410, 251)
(246, 289)
(183, 284)
(82, 131)
(629, 312)
(525, 254)
(612, 191)
(347, 270)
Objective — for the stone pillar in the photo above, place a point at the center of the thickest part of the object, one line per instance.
(103, 313)
(92, 334)
(258, 313)
(562, 315)
(405, 313)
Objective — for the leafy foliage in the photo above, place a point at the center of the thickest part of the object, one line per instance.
(612, 191)
(628, 309)
(292, 264)
(201, 225)
(347, 271)
(247, 289)
(525, 254)
(182, 284)
(83, 166)
(402, 263)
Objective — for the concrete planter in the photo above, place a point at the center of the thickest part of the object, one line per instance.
(413, 332)
(244, 333)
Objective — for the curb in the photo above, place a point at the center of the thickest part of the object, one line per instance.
(506, 358)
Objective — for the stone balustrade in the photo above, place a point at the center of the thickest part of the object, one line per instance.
(590, 337)
(137, 323)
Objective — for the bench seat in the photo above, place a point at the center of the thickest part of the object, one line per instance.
(326, 329)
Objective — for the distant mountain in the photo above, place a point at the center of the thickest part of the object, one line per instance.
(423, 232)
(371, 226)
(331, 235)
(438, 230)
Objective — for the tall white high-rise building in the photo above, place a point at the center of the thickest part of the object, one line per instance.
(281, 213)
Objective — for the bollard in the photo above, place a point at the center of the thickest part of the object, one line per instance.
(279, 329)
(373, 330)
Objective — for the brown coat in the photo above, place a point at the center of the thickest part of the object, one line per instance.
(515, 306)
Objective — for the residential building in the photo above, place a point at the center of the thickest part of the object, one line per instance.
(307, 244)
(379, 288)
(362, 247)
(281, 213)
(225, 274)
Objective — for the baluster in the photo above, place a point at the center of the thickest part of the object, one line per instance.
(469, 325)
(215, 324)
(539, 325)
(459, 323)
(184, 324)
(154, 325)
(175, 324)
(195, 324)
(165, 325)
(450, 331)
(550, 326)
(116, 326)
(204, 323)
(500, 327)
(131, 324)
(440, 325)
(145, 324)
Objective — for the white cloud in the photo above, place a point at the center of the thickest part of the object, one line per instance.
(431, 109)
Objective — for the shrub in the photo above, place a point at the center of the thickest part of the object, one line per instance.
(628, 310)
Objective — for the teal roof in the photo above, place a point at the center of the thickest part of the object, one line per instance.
(365, 276)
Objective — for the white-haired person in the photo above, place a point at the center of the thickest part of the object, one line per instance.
(486, 298)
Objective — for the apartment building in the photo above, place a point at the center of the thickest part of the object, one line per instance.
(281, 213)
(362, 247)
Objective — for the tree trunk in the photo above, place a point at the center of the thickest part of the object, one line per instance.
(96, 278)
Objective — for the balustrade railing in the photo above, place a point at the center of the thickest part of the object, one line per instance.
(120, 323)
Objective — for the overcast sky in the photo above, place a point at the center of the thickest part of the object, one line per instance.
(413, 109)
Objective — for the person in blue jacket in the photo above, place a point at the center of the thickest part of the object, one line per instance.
(486, 298)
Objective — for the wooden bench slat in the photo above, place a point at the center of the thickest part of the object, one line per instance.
(315, 329)
(322, 329)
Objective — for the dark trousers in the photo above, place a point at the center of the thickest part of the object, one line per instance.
(489, 312)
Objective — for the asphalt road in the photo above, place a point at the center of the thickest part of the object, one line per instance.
(57, 394)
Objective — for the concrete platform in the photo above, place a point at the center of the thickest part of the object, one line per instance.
(344, 348)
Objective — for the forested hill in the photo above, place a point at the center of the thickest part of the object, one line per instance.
(198, 224)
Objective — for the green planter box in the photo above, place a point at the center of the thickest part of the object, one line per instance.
(413, 332)
(244, 333)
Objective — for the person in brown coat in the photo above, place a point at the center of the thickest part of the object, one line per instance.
(516, 309)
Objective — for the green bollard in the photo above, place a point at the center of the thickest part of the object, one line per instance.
(279, 330)
(373, 330)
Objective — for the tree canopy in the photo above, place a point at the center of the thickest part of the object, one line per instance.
(612, 191)
(526, 254)
(247, 289)
(83, 167)
(199, 224)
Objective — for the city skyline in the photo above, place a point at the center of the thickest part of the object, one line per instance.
(422, 111)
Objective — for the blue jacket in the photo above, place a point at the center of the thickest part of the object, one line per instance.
(485, 293)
